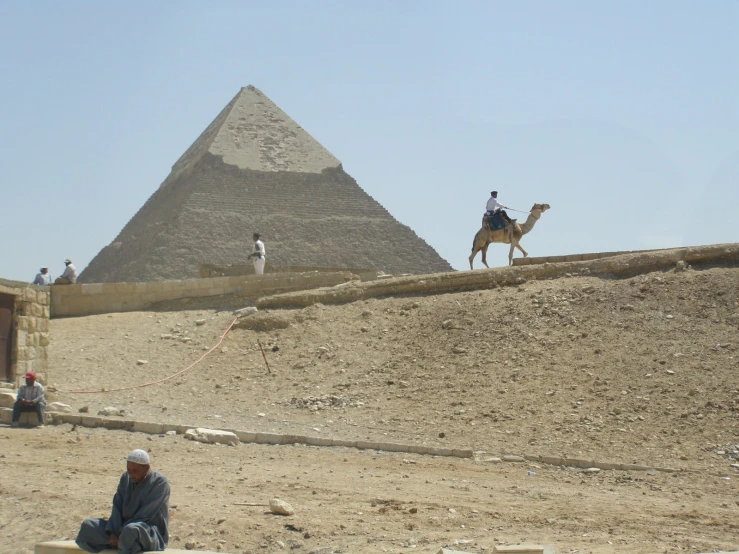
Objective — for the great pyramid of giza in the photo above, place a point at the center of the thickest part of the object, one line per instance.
(255, 169)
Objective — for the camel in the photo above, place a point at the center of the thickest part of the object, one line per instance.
(511, 234)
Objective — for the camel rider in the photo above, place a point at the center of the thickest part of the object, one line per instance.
(494, 206)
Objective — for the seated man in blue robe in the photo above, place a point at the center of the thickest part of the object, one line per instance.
(140, 514)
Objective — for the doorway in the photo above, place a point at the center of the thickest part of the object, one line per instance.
(6, 335)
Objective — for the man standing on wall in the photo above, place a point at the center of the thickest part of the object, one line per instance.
(258, 255)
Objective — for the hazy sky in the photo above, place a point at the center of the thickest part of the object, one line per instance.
(623, 116)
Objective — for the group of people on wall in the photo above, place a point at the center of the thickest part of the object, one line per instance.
(69, 277)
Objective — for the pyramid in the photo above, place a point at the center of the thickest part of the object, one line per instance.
(255, 169)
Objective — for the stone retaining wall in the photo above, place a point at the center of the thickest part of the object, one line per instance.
(100, 298)
(578, 257)
(625, 265)
(30, 335)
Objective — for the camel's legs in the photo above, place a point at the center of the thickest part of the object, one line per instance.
(484, 254)
(472, 256)
(510, 253)
(525, 254)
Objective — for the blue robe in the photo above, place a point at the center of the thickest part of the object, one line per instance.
(139, 518)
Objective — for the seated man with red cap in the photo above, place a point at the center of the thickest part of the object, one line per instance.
(140, 515)
(30, 398)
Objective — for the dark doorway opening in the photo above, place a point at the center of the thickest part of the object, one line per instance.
(6, 334)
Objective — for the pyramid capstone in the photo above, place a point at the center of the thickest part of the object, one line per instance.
(255, 169)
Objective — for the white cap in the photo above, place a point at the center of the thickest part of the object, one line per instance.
(138, 456)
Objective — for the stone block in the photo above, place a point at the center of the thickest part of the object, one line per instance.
(513, 458)
(91, 421)
(438, 451)
(211, 436)
(72, 419)
(29, 295)
(292, 439)
(21, 338)
(42, 325)
(367, 445)
(246, 436)
(146, 427)
(462, 452)
(179, 429)
(115, 424)
(268, 438)
(29, 419)
(345, 443)
(393, 447)
(6, 415)
(418, 449)
(58, 407)
(520, 549)
(7, 398)
(42, 297)
(319, 441)
(21, 322)
(95, 288)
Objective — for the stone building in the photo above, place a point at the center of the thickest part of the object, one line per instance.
(255, 169)
(24, 330)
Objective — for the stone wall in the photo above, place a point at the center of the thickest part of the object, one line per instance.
(100, 298)
(621, 266)
(578, 257)
(211, 270)
(30, 341)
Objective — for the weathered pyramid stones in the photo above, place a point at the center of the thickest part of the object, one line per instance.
(255, 169)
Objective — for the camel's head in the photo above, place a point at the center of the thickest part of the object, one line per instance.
(540, 208)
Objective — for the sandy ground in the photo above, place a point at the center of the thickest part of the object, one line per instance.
(640, 371)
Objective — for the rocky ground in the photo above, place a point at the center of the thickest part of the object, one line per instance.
(641, 371)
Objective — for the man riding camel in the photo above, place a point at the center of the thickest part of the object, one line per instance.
(494, 207)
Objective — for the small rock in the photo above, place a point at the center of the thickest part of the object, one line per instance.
(142, 362)
(448, 324)
(493, 460)
(243, 312)
(111, 411)
(58, 407)
(322, 349)
(591, 470)
(211, 436)
(84, 409)
(275, 348)
(670, 372)
(170, 433)
(200, 322)
(7, 398)
(668, 316)
(459, 350)
(513, 458)
(280, 507)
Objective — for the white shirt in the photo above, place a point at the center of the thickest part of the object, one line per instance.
(493, 204)
(259, 249)
(70, 273)
(42, 279)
